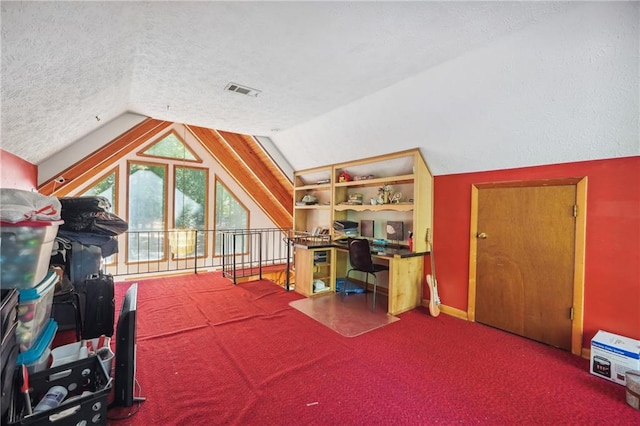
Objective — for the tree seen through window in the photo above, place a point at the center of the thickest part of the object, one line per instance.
(230, 214)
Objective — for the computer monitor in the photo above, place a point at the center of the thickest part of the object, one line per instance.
(366, 228)
(125, 358)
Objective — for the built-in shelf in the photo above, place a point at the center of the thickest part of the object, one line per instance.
(405, 172)
(391, 180)
(410, 180)
(374, 208)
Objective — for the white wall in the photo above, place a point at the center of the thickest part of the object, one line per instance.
(276, 155)
(564, 90)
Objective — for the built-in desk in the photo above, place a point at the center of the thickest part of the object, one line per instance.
(383, 251)
(406, 270)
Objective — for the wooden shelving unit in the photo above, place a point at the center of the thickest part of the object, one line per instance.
(311, 218)
(312, 266)
(405, 172)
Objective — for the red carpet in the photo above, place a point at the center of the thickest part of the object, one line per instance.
(211, 353)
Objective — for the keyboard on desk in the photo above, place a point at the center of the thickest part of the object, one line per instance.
(379, 249)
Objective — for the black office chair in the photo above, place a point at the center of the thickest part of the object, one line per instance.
(361, 260)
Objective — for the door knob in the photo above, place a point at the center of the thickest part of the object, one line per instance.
(482, 235)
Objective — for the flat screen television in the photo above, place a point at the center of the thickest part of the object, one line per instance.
(125, 358)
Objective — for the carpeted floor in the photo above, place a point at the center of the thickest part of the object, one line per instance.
(350, 315)
(211, 353)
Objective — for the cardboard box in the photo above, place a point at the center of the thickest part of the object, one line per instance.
(612, 356)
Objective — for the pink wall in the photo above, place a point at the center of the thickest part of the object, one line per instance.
(612, 258)
(16, 172)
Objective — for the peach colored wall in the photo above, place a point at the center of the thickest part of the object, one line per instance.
(16, 172)
(612, 258)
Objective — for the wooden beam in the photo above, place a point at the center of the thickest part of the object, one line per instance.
(258, 163)
(105, 157)
(236, 167)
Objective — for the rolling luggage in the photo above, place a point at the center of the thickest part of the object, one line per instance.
(9, 347)
(97, 297)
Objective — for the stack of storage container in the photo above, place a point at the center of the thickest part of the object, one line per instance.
(29, 224)
(25, 252)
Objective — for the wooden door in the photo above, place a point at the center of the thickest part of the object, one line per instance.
(525, 261)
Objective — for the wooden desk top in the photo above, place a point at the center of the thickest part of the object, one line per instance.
(387, 251)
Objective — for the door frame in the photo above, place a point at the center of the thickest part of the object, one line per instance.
(579, 248)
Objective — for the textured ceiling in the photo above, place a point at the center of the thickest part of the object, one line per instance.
(69, 67)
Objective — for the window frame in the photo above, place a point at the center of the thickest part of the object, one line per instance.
(141, 153)
(215, 213)
(174, 168)
(165, 243)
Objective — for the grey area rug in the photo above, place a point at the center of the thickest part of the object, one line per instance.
(350, 315)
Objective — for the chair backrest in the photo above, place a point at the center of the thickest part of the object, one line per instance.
(360, 254)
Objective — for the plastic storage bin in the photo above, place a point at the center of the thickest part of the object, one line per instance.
(34, 310)
(37, 358)
(71, 352)
(85, 376)
(25, 251)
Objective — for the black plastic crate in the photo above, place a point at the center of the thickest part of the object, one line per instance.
(78, 376)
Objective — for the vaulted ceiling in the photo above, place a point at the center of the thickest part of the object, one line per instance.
(70, 67)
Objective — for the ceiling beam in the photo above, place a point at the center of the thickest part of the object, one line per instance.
(102, 159)
(262, 166)
(254, 177)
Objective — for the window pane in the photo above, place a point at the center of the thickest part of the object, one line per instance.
(105, 188)
(171, 147)
(190, 201)
(146, 212)
(230, 214)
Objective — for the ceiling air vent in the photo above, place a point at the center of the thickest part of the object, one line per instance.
(242, 89)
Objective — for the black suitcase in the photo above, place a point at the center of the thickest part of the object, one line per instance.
(9, 348)
(98, 299)
(10, 352)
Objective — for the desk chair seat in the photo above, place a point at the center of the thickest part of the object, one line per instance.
(361, 260)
